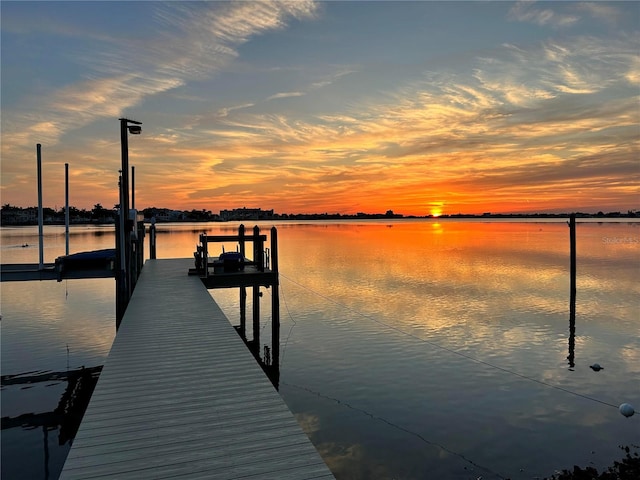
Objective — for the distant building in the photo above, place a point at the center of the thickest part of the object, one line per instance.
(167, 215)
(246, 214)
(19, 216)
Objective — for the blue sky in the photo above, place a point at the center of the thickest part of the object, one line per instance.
(418, 107)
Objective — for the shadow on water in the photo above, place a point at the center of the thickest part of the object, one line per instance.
(66, 417)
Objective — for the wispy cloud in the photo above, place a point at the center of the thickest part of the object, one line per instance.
(470, 138)
(528, 11)
(223, 112)
(522, 120)
(604, 11)
(285, 95)
(333, 78)
(199, 39)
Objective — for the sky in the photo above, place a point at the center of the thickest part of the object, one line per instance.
(423, 108)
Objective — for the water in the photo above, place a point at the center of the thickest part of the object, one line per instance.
(410, 349)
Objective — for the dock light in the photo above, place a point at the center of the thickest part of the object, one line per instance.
(124, 286)
(627, 409)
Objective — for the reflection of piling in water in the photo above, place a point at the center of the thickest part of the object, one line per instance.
(572, 290)
(71, 407)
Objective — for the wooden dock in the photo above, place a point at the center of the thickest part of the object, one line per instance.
(181, 396)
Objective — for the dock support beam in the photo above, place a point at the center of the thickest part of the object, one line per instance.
(152, 239)
(241, 240)
(243, 313)
(258, 249)
(275, 303)
(256, 320)
(121, 294)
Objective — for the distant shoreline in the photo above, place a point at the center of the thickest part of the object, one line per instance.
(13, 215)
(612, 217)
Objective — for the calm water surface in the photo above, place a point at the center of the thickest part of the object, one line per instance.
(410, 349)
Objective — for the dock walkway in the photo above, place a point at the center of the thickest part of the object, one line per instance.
(181, 396)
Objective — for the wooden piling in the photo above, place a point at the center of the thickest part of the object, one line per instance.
(205, 254)
(275, 302)
(152, 239)
(243, 313)
(572, 268)
(256, 320)
(121, 297)
(572, 290)
(258, 249)
(40, 208)
(66, 208)
(241, 240)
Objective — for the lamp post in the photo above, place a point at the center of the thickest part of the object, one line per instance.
(125, 129)
(124, 288)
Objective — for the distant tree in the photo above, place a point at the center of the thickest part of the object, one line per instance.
(48, 212)
(98, 212)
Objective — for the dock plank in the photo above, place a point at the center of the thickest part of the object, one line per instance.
(181, 396)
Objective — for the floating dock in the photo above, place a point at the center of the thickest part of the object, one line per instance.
(181, 396)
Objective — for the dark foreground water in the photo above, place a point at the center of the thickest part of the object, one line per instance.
(410, 349)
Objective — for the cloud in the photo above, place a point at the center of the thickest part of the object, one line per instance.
(333, 78)
(223, 112)
(633, 73)
(197, 41)
(524, 11)
(600, 10)
(285, 95)
(523, 123)
(530, 119)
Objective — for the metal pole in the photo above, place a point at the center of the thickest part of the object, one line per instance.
(124, 145)
(133, 187)
(66, 207)
(40, 212)
(124, 205)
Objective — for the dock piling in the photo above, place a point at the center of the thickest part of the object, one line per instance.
(572, 268)
(243, 313)
(152, 239)
(66, 207)
(40, 211)
(572, 290)
(275, 303)
(241, 239)
(256, 320)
